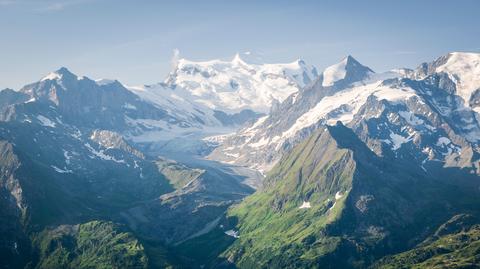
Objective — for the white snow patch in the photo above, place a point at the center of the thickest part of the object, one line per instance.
(294, 97)
(217, 139)
(46, 121)
(234, 155)
(67, 156)
(410, 118)
(130, 106)
(104, 81)
(305, 205)
(62, 171)
(232, 233)
(257, 124)
(443, 141)
(262, 142)
(51, 76)
(398, 140)
(101, 154)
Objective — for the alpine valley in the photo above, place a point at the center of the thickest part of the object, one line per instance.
(243, 164)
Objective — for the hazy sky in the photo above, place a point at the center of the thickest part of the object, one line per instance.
(133, 41)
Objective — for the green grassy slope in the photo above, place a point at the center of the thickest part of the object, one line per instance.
(456, 249)
(94, 244)
(362, 207)
(274, 231)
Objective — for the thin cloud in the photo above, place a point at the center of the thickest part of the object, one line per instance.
(8, 2)
(404, 52)
(56, 6)
(175, 58)
(42, 6)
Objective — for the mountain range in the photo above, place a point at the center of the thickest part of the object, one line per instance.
(242, 164)
(423, 108)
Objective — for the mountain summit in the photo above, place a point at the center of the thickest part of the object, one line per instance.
(357, 94)
(239, 84)
(463, 68)
(345, 72)
(61, 73)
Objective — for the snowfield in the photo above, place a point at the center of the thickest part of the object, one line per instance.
(232, 86)
(464, 69)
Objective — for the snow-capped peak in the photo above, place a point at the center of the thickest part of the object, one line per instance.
(59, 74)
(464, 69)
(348, 69)
(51, 76)
(238, 84)
(334, 73)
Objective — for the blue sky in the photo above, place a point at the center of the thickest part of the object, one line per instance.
(133, 41)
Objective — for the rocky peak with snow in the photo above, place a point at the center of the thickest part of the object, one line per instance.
(61, 73)
(50, 86)
(463, 68)
(423, 116)
(99, 104)
(345, 72)
(234, 85)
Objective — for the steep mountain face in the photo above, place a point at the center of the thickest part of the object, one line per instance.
(109, 105)
(390, 110)
(54, 174)
(463, 69)
(10, 97)
(333, 203)
(345, 73)
(49, 149)
(85, 103)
